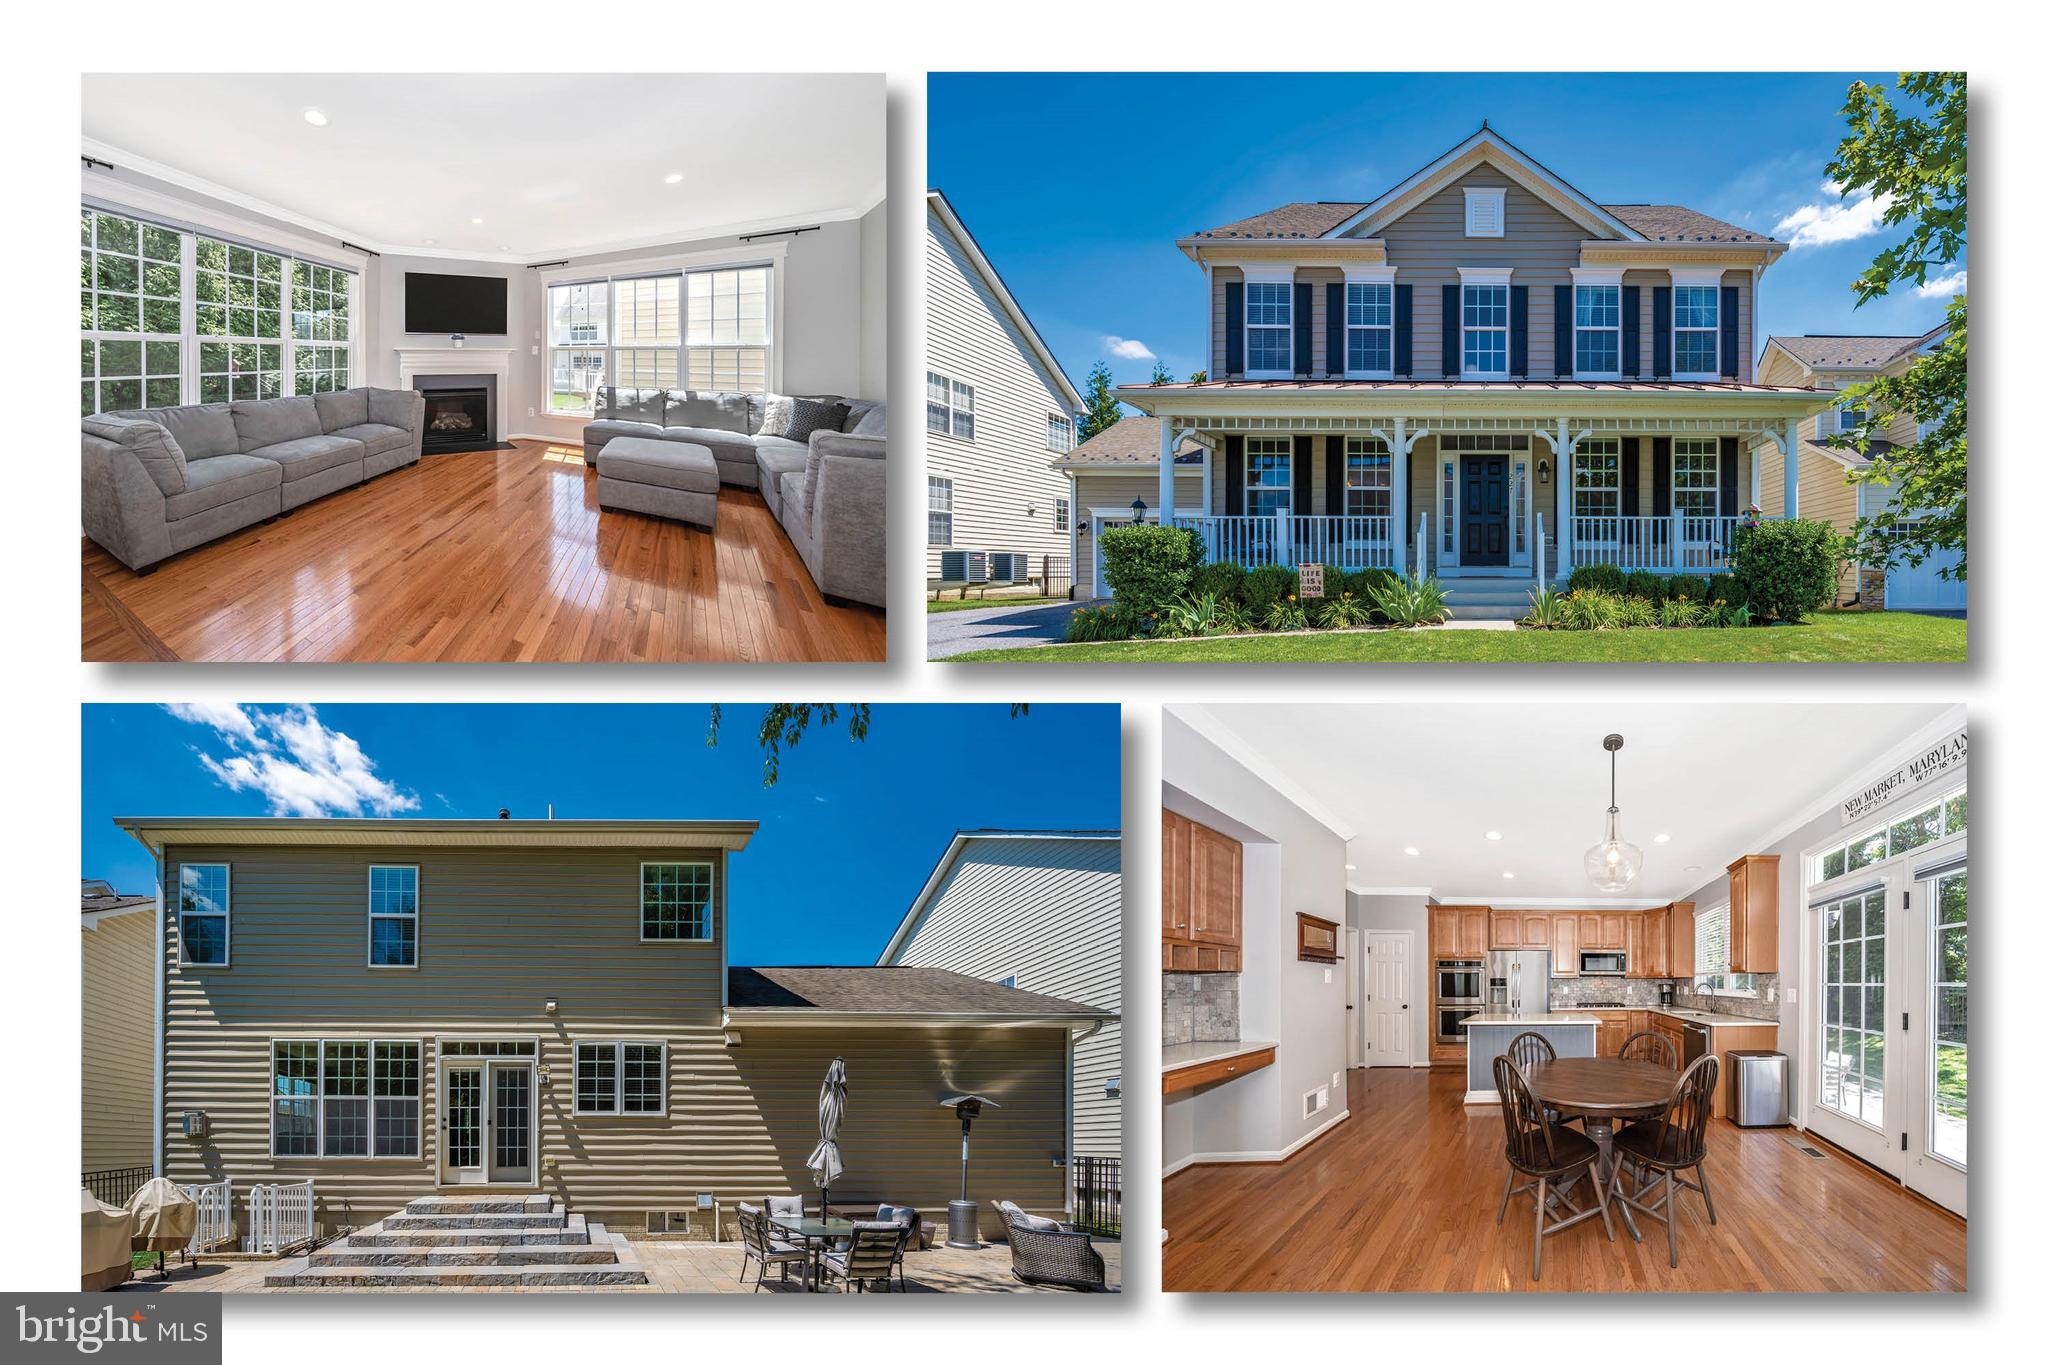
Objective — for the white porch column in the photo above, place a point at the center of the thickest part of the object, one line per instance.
(1208, 482)
(1562, 443)
(1787, 438)
(1166, 444)
(1756, 476)
(1398, 472)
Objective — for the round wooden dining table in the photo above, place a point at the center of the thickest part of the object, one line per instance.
(1601, 1090)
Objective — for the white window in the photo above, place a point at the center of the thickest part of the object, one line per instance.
(938, 516)
(622, 1077)
(1369, 330)
(1852, 985)
(1849, 417)
(1368, 477)
(1696, 476)
(1938, 820)
(1268, 475)
(320, 328)
(1269, 327)
(1449, 496)
(1710, 951)
(1596, 480)
(131, 289)
(675, 902)
(1696, 331)
(1597, 332)
(394, 916)
(203, 896)
(647, 332)
(1062, 514)
(1486, 329)
(578, 327)
(1486, 212)
(729, 329)
(948, 407)
(710, 329)
(1059, 433)
(345, 1098)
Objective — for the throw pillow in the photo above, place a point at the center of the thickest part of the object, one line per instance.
(794, 419)
(873, 422)
(1033, 1222)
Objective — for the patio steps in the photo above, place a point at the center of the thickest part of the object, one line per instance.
(1489, 599)
(457, 1242)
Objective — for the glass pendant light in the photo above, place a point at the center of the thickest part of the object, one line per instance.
(1613, 862)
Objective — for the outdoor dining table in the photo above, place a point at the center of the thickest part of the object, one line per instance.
(1601, 1090)
(816, 1234)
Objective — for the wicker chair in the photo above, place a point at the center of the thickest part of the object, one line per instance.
(1045, 1252)
(762, 1248)
(1549, 1153)
(870, 1255)
(1650, 1047)
(1664, 1146)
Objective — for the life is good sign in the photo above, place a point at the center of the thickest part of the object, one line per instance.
(1910, 777)
(1311, 582)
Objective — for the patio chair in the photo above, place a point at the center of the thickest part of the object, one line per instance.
(784, 1205)
(763, 1248)
(1043, 1251)
(870, 1255)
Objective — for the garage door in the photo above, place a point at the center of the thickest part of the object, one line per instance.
(1920, 587)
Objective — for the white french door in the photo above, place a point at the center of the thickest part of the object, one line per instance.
(1938, 1159)
(487, 1122)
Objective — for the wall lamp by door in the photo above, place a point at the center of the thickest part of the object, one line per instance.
(1138, 511)
(1543, 471)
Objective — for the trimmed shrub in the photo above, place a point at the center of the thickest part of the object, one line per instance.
(1148, 566)
(1786, 569)
(1691, 587)
(1598, 577)
(1646, 585)
(1264, 586)
(1222, 580)
(1723, 588)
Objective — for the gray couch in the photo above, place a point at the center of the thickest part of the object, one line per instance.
(829, 493)
(160, 480)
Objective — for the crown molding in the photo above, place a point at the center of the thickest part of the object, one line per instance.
(1238, 750)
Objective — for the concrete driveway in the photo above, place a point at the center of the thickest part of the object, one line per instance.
(956, 632)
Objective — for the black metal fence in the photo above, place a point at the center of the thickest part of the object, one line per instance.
(1099, 1195)
(1056, 576)
(117, 1186)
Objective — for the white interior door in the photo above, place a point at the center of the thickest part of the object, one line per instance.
(1389, 1002)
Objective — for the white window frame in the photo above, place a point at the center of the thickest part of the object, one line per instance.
(1363, 281)
(617, 1048)
(1359, 480)
(370, 901)
(319, 1044)
(1740, 985)
(1062, 514)
(951, 401)
(1486, 211)
(1285, 327)
(1818, 878)
(1591, 483)
(1680, 283)
(1584, 283)
(1708, 448)
(771, 372)
(710, 900)
(1059, 433)
(1843, 408)
(225, 915)
(1469, 280)
(934, 486)
(1284, 448)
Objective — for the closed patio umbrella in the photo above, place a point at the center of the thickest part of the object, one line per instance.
(824, 1162)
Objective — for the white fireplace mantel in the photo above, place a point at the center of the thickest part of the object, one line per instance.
(491, 360)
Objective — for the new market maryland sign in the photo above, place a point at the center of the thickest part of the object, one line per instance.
(1912, 777)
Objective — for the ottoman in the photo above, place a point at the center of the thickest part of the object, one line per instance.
(672, 479)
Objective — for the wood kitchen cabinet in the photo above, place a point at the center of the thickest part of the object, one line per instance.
(1504, 929)
(1202, 897)
(1589, 932)
(1613, 1033)
(1678, 934)
(1657, 936)
(1535, 930)
(1564, 945)
(1753, 913)
(1473, 932)
(1176, 833)
(1614, 931)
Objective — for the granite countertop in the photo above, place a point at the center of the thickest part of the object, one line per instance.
(1503, 1020)
(1174, 1056)
(1705, 1017)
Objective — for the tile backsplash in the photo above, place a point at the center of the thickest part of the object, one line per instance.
(1200, 1007)
(1568, 992)
(1764, 1006)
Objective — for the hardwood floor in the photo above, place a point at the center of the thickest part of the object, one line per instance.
(485, 556)
(1401, 1197)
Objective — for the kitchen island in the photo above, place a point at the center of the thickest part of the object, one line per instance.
(1571, 1033)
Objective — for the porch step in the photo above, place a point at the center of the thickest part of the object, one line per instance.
(518, 1253)
(458, 1204)
(572, 1232)
(454, 1277)
(482, 1222)
(1488, 599)
(367, 1261)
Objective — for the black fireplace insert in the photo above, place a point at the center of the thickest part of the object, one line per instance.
(457, 419)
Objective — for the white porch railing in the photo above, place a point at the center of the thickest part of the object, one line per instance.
(1673, 544)
(1341, 542)
(216, 1213)
(280, 1217)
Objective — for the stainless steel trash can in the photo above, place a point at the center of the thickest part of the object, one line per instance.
(1763, 1091)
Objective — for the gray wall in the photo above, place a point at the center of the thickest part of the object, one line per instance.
(874, 304)
(1397, 912)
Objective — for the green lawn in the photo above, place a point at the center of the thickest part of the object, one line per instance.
(1830, 637)
(976, 603)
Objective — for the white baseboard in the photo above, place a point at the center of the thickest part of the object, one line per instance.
(1228, 1158)
(1482, 1097)
(551, 440)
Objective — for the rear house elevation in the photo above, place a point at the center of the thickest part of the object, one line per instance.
(398, 1009)
(998, 409)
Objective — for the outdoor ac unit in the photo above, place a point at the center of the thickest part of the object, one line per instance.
(1009, 565)
(963, 566)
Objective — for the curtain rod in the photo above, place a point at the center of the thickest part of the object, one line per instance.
(545, 265)
(95, 161)
(365, 250)
(780, 232)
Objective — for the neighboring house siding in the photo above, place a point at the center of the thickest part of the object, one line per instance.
(1049, 912)
(1095, 489)
(1826, 492)
(117, 1059)
(501, 931)
(969, 337)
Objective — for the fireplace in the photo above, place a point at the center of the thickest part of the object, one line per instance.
(461, 412)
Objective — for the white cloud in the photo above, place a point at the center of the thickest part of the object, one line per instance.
(1838, 219)
(1941, 286)
(297, 763)
(1128, 348)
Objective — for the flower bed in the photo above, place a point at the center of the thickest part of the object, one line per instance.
(1225, 599)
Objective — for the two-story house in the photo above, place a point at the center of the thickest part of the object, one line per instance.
(403, 1008)
(1483, 373)
(998, 409)
(1826, 490)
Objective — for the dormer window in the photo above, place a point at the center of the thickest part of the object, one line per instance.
(1269, 327)
(1696, 331)
(1486, 212)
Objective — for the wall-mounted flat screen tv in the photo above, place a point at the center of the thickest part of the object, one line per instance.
(455, 303)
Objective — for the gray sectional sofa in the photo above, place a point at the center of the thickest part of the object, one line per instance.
(160, 480)
(829, 493)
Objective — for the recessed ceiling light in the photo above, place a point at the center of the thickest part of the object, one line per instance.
(476, 222)
(1412, 852)
(1694, 868)
(1509, 876)
(1493, 834)
(431, 240)
(1660, 839)
(316, 118)
(672, 178)
(1351, 867)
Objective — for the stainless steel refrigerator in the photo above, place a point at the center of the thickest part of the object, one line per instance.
(1518, 981)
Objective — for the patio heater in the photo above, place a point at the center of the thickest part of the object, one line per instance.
(963, 1218)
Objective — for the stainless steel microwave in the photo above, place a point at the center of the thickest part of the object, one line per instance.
(1607, 963)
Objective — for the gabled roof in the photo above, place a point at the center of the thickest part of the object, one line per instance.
(937, 202)
(289, 831)
(1845, 352)
(962, 838)
(1132, 442)
(99, 898)
(925, 992)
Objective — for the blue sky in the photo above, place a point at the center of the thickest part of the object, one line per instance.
(1076, 185)
(847, 836)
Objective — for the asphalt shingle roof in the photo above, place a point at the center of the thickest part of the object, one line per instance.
(1133, 441)
(1658, 222)
(1822, 352)
(95, 895)
(886, 990)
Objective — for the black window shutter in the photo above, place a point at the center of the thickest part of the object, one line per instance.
(1660, 326)
(1333, 330)
(1303, 474)
(1728, 463)
(1233, 476)
(1561, 331)
(1660, 476)
(1404, 330)
(1731, 299)
(1333, 476)
(1304, 329)
(1518, 331)
(1453, 330)
(1631, 476)
(1233, 329)
(1631, 331)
